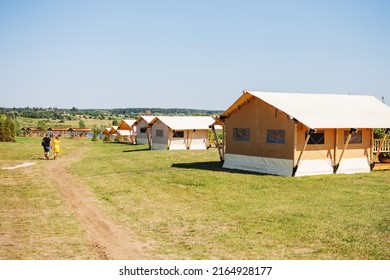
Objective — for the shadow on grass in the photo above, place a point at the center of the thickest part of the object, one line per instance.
(211, 166)
(137, 150)
(115, 142)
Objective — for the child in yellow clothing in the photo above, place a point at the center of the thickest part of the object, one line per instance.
(56, 146)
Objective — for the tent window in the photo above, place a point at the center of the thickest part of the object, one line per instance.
(316, 138)
(241, 134)
(178, 134)
(143, 130)
(356, 137)
(275, 136)
(159, 133)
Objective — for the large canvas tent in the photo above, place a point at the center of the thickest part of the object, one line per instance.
(180, 133)
(302, 134)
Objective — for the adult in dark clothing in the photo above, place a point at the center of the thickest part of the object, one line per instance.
(46, 145)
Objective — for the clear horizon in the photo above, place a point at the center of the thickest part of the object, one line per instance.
(196, 54)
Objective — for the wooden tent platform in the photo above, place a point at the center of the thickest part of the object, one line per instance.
(382, 166)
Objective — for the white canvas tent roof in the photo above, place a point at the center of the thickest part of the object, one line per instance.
(148, 119)
(324, 110)
(185, 122)
(126, 124)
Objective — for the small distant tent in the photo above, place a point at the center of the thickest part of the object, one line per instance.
(127, 130)
(107, 134)
(114, 130)
(106, 131)
(143, 133)
(180, 133)
(302, 134)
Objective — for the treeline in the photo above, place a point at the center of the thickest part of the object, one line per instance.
(74, 113)
(164, 111)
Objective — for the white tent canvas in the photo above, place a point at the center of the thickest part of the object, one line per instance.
(180, 133)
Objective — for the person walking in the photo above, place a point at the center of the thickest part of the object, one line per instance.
(56, 146)
(46, 145)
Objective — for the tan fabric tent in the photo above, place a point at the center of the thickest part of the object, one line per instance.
(179, 133)
(302, 134)
(114, 130)
(127, 130)
(106, 131)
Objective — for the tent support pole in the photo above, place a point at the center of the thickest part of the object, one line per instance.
(223, 141)
(372, 164)
(380, 147)
(192, 137)
(336, 167)
(309, 133)
(149, 137)
(170, 136)
(336, 145)
(216, 143)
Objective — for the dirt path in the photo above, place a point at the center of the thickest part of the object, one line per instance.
(109, 239)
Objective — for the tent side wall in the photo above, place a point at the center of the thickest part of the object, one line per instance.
(199, 139)
(260, 138)
(160, 136)
(320, 158)
(142, 137)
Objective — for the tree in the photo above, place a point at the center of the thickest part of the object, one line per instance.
(41, 125)
(1, 129)
(96, 132)
(115, 122)
(82, 124)
(7, 130)
(12, 114)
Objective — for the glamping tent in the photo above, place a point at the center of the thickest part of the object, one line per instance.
(122, 134)
(114, 130)
(180, 133)
(143, 132)
(126, 129)
(302, 134)
(106, 131)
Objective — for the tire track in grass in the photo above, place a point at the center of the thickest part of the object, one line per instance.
(109, 239)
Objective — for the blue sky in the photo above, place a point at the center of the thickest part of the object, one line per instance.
(188, 54)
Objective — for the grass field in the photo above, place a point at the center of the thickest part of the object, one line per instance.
(89, 123)
(191, 208)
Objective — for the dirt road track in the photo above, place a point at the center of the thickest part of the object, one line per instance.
(109, 239)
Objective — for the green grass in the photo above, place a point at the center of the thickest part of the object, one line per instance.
(89, 123)
(191, 208)
(194, 209)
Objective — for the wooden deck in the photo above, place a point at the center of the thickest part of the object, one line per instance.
(381, 166)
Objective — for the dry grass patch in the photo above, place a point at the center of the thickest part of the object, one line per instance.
(34, 220)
